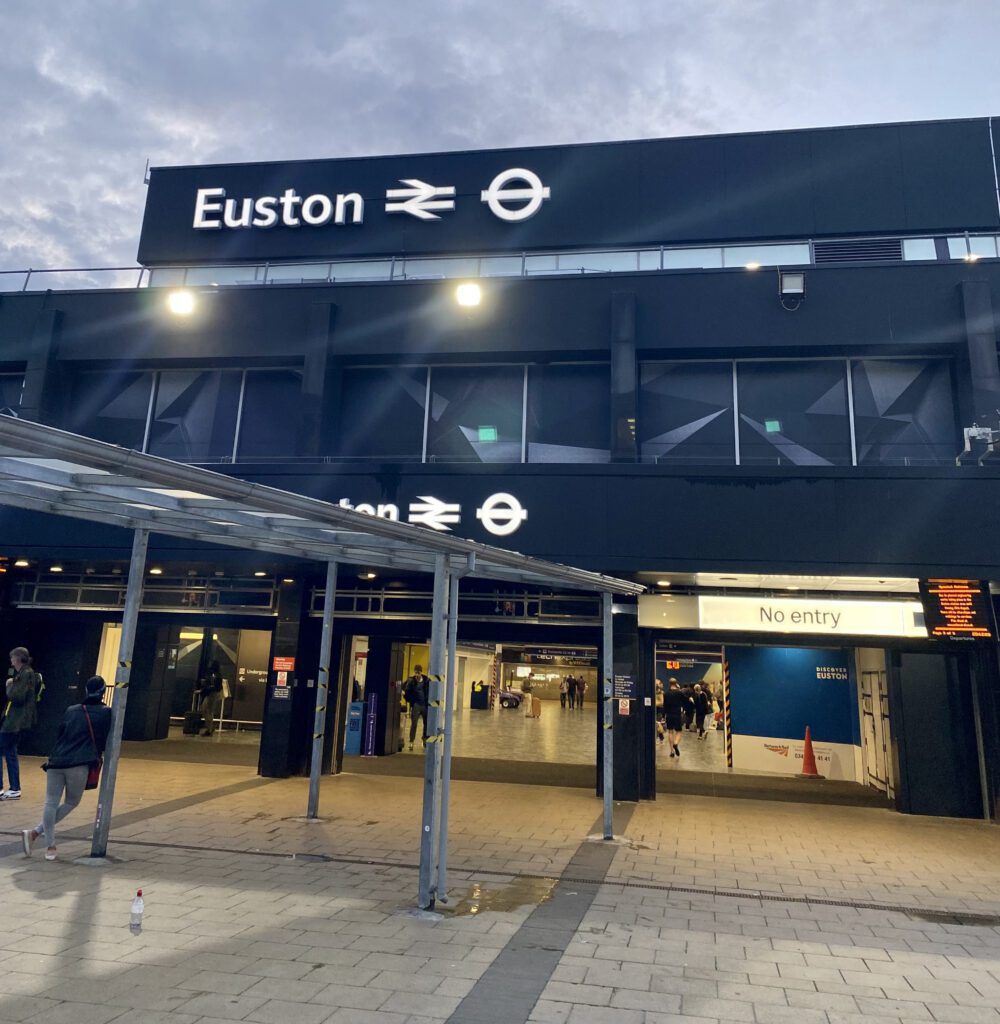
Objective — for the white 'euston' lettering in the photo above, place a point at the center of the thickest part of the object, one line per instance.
(213, 211)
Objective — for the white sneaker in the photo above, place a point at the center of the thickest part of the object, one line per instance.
(28, 837)
(11, 794)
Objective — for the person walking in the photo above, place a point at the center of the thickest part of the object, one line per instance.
(563, 691)
(80, 743)
(19, 715)
(581, 689)
(675, 705)
(211, 698)
(658, 709)
(415, 693)
(702, 706)
(571, 691)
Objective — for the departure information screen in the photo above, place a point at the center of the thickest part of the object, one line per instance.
(958, 609)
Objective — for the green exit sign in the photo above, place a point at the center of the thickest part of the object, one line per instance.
(487, 434)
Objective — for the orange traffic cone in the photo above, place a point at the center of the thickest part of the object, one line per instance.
(809, 759)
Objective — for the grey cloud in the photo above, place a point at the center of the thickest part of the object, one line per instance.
(94, 87)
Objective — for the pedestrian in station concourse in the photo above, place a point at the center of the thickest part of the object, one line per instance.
(415, 693)
(80, 743)
(563, 691)
(211, 698)
(581, 689)
(572, 691)
(674, 706)
(19, 715)
(702, 706)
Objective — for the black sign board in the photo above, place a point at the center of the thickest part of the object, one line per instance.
(957, 609)
(624, 687)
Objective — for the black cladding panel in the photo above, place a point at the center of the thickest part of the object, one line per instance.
(798, 184)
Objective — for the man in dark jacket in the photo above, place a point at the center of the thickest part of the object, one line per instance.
(19, 716)
(80, 743)
(211, 698)
(415, 693)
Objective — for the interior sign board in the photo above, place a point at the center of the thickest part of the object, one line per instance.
(957, 609)
(624, 688)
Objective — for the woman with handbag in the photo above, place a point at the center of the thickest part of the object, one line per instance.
(74, 765)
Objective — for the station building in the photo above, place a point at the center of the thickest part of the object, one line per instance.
(756, 372)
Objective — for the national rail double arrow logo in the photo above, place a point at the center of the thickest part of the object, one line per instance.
(500, 514)
(421, 199)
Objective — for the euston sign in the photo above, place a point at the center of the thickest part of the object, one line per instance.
(513, 195)
(500, 514)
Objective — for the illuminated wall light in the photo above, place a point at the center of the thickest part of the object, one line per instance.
(55, 568)
(21, 563)
(287, 579)
(663, 583)
(155, 572)
(181, 302)
(752, 266)
(366, 575)
(468, 294)
(259, 573)
(971, 257)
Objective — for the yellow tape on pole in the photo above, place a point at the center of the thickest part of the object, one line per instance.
(727, 709)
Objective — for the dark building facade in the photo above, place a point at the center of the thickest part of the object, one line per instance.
(716, 364)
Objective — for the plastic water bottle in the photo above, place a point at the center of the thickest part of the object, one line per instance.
(135, 919)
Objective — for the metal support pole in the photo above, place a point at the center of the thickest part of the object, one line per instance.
(322, 690)
(427, 886)
(608, 745)
(449, 730)
(112, 753)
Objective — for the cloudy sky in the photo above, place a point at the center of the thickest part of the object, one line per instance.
(92, 88)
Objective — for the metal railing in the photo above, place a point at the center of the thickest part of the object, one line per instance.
(99, 592)
(694, 256)
(490, 606)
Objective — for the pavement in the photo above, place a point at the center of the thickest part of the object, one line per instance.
(702, 910)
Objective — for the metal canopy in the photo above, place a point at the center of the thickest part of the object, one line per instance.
(43, 469)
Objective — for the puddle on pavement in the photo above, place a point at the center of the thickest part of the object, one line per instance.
(482, 899)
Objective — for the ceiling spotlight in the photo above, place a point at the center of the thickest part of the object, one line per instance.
(663, 583)
(287, 579)
(21, 563)
(55, 568)
(260, 573)
(366, 575)
(181, 302)
(468, 294)
(155, 572)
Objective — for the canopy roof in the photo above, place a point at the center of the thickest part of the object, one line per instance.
(48, 470)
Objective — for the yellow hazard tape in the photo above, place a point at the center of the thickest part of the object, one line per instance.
(317, 735)
(124, 664)
(436, 704)
(434, 739)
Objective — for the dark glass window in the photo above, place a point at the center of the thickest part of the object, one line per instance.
(10, 390)
(194, 415)
(476, 414)
(270, 425)
(382, 413)
(111, 407)
(569, 413)
(686, 413)
(794, 413)
(904, 412)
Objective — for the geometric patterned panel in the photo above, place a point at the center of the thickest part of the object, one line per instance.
(271, 422)
(569, 413)
(194, 417)
(794, 413)
(686, 413)
(382, 413)
(475, 414)
(10, 390)
(111, 407)
(904, 412)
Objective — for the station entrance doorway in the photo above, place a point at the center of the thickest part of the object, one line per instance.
(181, 660)
(520, 709)
(761, 698)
